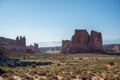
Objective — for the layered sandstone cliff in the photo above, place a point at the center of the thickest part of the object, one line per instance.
(83, 42)
(12, 45)
(79, 41)
(95, 41)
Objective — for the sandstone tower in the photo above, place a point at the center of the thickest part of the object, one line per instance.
(83, 42)
(79, 41)
(36, 48)
(20, 41)
(65, 46)
(95, 41)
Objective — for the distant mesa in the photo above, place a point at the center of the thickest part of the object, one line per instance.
(18, 45)
(111, 48)
(11, 45)
(83, 42)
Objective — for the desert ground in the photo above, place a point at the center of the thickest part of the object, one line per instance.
(55, 66)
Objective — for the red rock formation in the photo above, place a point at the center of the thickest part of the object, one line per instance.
(95, 42)
(65, 46)
(36, 48)
(33, 48)
(20, 41)
(29, 51)
(12, 45)
(79, 41)
(82, 42)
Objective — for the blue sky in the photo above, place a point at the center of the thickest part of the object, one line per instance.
(54, 20)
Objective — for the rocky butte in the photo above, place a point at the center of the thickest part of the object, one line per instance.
(12, 45)
(17, 45)
(83, 42)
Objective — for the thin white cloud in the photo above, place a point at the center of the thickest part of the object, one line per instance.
(50, 44)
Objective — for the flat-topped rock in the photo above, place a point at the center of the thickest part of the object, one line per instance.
(81, 41)
(95, 41)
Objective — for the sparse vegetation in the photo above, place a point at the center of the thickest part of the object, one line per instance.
(111, 63)
(4, 69)
(33, 65)
(63, 67)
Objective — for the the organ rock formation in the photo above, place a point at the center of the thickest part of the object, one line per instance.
(83, 42)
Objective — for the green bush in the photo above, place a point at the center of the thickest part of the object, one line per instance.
(111, 63)
(58, 64)
(4, 69)
(33, 65)
(99, 67)
(80, 58)
(78, 70)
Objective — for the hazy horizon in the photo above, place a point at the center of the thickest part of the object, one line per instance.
(47, 22)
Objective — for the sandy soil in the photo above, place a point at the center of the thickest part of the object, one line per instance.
(16, 77)
(1, 78)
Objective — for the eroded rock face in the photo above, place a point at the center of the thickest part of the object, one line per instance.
(79, 41)
(12, 45)
(95, 42)
(36, 48)
(65, 46)
(83, 42)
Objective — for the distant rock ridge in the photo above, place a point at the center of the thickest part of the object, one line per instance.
(112, 48)
(33, 48)
(17, 45)
(83, 42)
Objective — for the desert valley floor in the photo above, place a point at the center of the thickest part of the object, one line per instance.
(56, 66)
